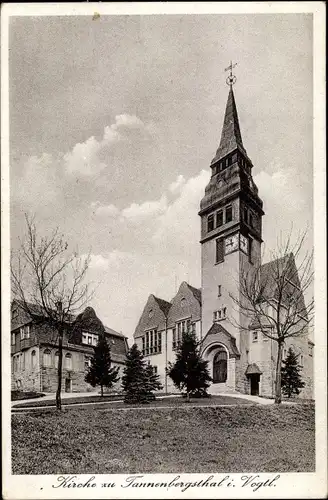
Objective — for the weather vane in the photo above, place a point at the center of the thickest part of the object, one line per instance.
(231, 80)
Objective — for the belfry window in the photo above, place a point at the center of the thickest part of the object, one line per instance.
(210, 222)
(228, 213)
(219, 218)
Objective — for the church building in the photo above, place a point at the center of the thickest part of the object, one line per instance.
(240, 358)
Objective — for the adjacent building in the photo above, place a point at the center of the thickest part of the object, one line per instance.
(240, 357)
(34, 350)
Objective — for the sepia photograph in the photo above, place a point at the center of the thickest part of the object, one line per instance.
(162, 255)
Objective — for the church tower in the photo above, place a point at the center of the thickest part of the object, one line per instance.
(231, 236)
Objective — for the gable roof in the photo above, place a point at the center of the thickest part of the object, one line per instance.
(163, 305)
(268, 271)
(197, 293)
(88, 317)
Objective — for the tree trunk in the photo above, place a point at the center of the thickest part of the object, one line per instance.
(278, 374)
(188, 397)
(60, 366)
(102, 390)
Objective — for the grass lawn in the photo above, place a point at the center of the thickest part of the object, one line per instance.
(19, 395)
(174, 401)
(185, 439)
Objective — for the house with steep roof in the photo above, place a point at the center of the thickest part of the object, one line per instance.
(240, 358)
(34, 349)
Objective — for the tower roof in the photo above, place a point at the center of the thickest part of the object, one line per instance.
(230, 136)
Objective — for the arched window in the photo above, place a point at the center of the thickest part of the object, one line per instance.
(220, 363)
(68, 361)
(56, 359)
(47, 357)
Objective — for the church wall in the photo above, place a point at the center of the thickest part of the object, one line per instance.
(224, 274)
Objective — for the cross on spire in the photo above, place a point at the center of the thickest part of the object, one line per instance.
(231, 80)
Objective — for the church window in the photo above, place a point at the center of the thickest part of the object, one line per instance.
(220, 314)
(228, 213)
(255, 336)
(219, 218)
(220, 364)
(219, 290)
(152, 342)
(219, 250)
(181, 327)
(47, 357)
(210, 222)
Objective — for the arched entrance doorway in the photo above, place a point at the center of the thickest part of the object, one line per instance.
(220, 366)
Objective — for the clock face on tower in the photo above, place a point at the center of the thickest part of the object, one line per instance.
(244, 244)
(231, 243)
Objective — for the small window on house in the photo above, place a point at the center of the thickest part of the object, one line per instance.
(14, 313)
(228, 213)
(155, 370)
(255, 336)
(301, 358)
(33, 359)
(193, 328)
(27, 331)
(13, 339)
(22, 333)
(210, 223)
(219, 290)
(219, 218)
(310, 350)
(219, 251)
(224, 312)
(87, 362)
(47, 357)
(56, 359)
(84, 338)
(183, 302)
(90, 340)
(68, 361)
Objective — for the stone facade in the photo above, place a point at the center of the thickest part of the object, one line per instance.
(34, 351)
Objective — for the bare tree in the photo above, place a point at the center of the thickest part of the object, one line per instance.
(277, 296)
(49, 283)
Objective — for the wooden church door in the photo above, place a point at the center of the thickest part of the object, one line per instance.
(220, 364)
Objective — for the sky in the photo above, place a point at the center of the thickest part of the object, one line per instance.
(114, 123)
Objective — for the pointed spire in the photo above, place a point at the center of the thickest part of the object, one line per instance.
(231, 136)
